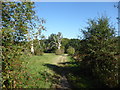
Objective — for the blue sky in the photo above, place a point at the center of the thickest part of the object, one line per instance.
(69, 17)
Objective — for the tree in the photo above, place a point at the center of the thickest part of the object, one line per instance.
(59, 39)
(39, 48)
(100, 59)
(75, 43)
(64, 43)
(39, 37)
(54, 41)
(51, 42)
(17, 20)
(70, 50)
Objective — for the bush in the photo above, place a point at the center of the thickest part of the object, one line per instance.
(99, 45)
(38, 51)
(62, 48)
(103, 67)
(59, 51)
(70, 50)
(62, 51)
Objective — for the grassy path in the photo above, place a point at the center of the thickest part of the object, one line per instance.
(46, 71)
(63, 80)
(54, 71)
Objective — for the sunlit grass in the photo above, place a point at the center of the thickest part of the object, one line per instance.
(37, 75)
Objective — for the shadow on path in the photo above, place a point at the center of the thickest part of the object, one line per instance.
(76, 77)
(62, 71)
(57, 69)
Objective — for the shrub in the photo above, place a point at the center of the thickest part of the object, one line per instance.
(62, 48)
(62, 51)
(100, 48)
(104, 67)
(70, 50)
(38, 51)
(59, 51)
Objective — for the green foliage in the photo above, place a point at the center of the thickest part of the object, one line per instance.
(100, 50)
(62, 48)
(16, 15)
(53, 42)
(64, 43)
(70, 50)
(11, 65)
(79, 77)
(75, 43)
(17, 18)
(117, 44)
(38, 50)
(59, 51)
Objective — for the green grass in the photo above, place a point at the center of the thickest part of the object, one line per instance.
(42, 72)
(37, 75)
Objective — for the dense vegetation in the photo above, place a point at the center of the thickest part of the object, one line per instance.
(100, 54)
(17, 23)
(95, 57)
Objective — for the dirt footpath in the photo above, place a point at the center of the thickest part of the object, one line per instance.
(63, 80)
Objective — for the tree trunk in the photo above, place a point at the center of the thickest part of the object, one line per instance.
(59, 45)
(32, 49)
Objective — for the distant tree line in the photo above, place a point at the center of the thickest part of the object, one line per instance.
(56, 44)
